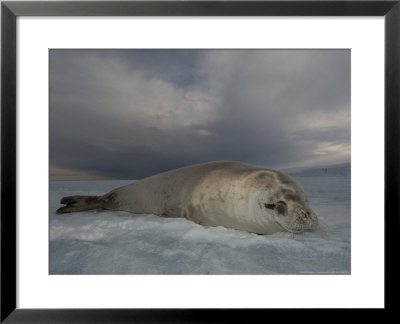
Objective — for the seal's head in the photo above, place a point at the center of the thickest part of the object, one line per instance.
(292, 216)
(284, 203)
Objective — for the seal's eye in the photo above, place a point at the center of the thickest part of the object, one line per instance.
(270, 206)
(280, 207)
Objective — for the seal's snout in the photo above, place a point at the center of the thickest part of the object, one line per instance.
(307, 217)
(304, 214)
(304, 220)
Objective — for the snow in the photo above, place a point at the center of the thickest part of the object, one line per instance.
(111, 242)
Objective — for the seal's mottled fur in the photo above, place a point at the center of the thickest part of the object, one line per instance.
(222, 193)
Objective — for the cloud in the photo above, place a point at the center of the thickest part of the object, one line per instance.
(129, 114)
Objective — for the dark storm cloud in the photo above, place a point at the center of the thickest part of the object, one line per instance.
(132, 113)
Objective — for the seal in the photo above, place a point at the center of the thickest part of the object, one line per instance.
(221, 193)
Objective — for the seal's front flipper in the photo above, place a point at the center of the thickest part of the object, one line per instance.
(80, 203)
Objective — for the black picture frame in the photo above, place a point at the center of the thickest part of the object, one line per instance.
(11, 10)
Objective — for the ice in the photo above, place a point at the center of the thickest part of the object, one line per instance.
(111, 242)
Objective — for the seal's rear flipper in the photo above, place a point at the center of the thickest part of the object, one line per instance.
(80, 203)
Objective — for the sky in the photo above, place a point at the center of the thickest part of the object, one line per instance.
(129, 114)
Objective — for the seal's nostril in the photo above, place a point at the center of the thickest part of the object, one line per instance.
(305, 214)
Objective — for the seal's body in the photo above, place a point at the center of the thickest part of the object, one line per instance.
(222, 193)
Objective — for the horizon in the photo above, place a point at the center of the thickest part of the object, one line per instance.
(288, 171)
